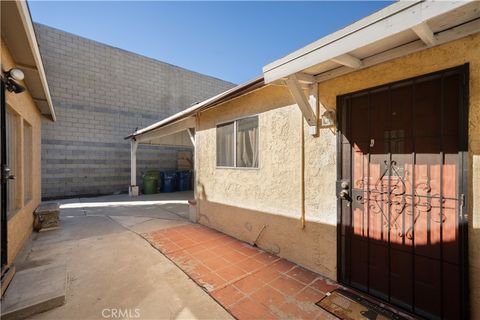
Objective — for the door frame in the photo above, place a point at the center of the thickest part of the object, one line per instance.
(462, 175)
(3, 181)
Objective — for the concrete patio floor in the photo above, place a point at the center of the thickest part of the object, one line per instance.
(112, 269)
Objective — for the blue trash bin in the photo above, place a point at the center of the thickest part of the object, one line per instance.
(184, 180)
(168, 180)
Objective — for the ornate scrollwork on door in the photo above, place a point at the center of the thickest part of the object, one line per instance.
(389, 193)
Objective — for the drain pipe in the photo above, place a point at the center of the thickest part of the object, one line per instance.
(302, 175)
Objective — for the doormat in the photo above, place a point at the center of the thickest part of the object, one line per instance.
(350, 306)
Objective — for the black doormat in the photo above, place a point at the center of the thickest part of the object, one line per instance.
(350, 306)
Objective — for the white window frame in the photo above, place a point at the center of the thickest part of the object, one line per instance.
(234, 121)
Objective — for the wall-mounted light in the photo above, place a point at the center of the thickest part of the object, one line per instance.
(9, 79)
(328, 118)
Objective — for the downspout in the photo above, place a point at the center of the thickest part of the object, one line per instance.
(302, 175)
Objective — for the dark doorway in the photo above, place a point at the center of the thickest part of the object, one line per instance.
(402, 184)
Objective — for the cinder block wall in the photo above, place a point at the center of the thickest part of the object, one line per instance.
(101, 94)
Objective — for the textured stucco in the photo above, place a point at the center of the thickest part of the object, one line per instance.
(20, 222)
(240, 202)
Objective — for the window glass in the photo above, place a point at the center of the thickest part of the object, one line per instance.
(225, 141)
(247, 142)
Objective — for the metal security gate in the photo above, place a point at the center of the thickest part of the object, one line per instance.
(401, 193)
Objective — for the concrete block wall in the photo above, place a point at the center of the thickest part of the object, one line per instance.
(101, 94)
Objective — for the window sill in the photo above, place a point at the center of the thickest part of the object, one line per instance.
(239, 168)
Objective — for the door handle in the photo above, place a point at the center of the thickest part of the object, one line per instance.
(344, 194)
(6, 174)
(343, 190)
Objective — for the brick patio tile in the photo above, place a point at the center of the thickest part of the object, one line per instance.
(301, 274)
(250, 265)
(265, 258)
(195, 249)
(185, 243)
(248, 250)
(309, 295)
(234, 256)
(247, 309)
(323, 286)
(228, 295)
(204, 254)
(249, 284)
(211, 281)
(282, 265)
(196, 269)
(168, 247)
(267, 274)
(286, 285)
(268, 297)
(216, 263)
(230, 273)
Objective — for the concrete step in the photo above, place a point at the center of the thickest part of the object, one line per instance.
(33, 291)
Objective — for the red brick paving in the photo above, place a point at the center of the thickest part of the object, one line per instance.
(248, 282)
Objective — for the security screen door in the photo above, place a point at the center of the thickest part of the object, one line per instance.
(402, 228)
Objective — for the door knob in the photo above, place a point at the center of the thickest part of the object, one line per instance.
(343, 194)
(6, 174)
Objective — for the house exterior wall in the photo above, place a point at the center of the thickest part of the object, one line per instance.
(19, 224)
(101, 94)
(240, 202)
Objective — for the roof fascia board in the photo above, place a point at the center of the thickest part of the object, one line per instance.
(403, 18)
(418, 45)
(354, 27)
(218, 99)
(32, 42)
(178, 126)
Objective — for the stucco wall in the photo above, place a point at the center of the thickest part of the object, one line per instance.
(242, 201)
(231, 199)
(20, 223)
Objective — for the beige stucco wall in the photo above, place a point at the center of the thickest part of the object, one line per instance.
(240, 202)
(20, 223)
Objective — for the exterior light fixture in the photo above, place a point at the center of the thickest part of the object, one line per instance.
(15, 74)
(9, 78)
(328, 118)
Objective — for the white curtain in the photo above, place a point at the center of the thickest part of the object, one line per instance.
(225, 145)
(247, 142)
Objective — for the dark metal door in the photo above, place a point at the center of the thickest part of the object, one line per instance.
(402, 232)
(3, 179)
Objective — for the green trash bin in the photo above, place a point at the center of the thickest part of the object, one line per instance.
(150, 182)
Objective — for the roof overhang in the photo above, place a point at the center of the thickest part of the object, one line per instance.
(399, 29)
(190, 113)
(19, 35)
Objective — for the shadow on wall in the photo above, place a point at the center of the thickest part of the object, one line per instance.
(313, 247)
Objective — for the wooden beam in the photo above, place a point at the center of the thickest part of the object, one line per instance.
(301, 100)
(348, 60)
(191, 134)
(305, 78)
(424, 32)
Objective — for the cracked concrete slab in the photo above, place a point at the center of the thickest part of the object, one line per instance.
(111, 267)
